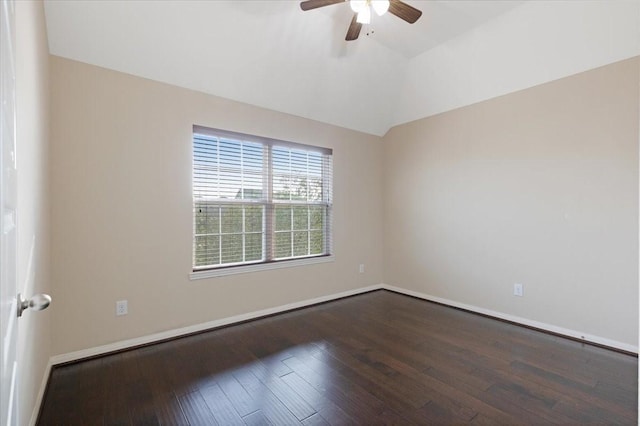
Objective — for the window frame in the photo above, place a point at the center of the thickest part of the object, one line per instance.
(269, 204)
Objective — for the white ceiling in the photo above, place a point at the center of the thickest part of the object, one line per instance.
(271, 54)
(440, 21)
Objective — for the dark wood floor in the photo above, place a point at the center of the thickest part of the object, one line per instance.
(377, 358)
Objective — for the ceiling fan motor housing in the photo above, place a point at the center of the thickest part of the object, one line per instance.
(362, 11)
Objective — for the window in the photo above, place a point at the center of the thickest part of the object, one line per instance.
(258, 200)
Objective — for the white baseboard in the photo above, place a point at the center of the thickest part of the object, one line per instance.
(40, 396)
(586, 337)
(125, 344)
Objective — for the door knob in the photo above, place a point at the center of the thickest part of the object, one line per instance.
(37, 303)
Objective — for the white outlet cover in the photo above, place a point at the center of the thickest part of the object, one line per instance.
(518, 290)
(121, 307)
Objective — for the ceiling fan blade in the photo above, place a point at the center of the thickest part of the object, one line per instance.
(404, 11)
(314, 4)
(354, 29)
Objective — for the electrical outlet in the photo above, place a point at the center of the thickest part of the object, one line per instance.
(121, 308)
(361, 269)
(518, 290)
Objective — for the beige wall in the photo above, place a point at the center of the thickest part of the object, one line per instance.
(122, 214)
(32, 98)
(538, 187)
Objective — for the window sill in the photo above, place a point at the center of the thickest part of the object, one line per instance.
(221, 272)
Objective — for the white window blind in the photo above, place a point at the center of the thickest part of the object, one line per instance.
(258, 200)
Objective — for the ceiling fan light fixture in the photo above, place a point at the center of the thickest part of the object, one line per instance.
(358, 5)
(380, 6)
(364, 16)
(362, 12)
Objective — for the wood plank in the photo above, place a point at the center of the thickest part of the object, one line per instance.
(196, 410)
(337, 388)
(323, 406)
(257, 418)
(272, 408)
(238, 396)
(315, 420)
(121, 373)
(168, 410)
(220, 406)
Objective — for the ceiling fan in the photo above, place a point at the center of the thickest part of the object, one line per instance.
(362, 11)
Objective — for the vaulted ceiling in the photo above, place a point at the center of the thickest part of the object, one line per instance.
(272, 54)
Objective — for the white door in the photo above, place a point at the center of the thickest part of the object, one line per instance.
(8, 195)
